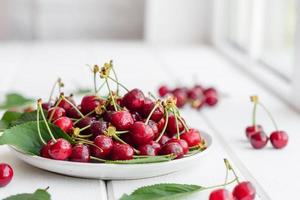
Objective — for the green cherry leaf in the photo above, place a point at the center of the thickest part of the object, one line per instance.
(14, 100)
(39, 194)
(26, 117)
(7, 118)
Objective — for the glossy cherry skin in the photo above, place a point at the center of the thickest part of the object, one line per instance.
(220, 194)
(163, 90)
(259, 140)
(46, 106)
(87, 121)
(107, 115)
(80, 153)
(122, 152)
(6, 174)
(89, 103)
(161, 124)
(163, 140)
(122, 120)
(172, 148)
(279, 139)
(150, 149)
(148, 107)
(58, 112)
(211, 96)
(250, 130)
(154, 127)
(103, 142)
(134, 100)
(65, 105)
(172, 128)
(192, 137)
(98, 127)
(244, 191)
(60, 150)
(181, 97)
(141, 133)
(72, 112)
(65, 124)
(44, 152)
(182, 143)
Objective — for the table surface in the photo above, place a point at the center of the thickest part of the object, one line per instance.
(32, 68)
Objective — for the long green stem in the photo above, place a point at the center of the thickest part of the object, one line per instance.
(38, 125)
(95, 83)
(77, 110)
(270, 115)
(45, 121)
(116, 77)
(52, 90)
(151, 113)
(111, 95)
(165, 126)
(118, 83)
(100, 87)
(181, 120)
(221, 185)
(54, 108)
(254, 115)
(177, 124)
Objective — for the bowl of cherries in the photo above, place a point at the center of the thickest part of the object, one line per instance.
(110, 136)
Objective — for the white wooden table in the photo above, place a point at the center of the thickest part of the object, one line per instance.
(32, 68)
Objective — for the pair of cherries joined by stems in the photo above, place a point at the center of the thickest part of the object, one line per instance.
(255, 133)
(197, 96)
(115, 127)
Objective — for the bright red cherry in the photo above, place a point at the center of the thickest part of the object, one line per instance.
(65, 124)
(220, 194)
(150, 149)
(44, 152)
(172, 127)
(105, 143)
(134, 100)
(60, 150)
(279, 139)
(192, 137)
(122, 120)
(211, 96)
(182, 143)
(163, 90)
(259, 140)
(6, 174)
(181, 97)
(172, 148)
(244, 191)
(89, 103)
(250, 130)
(122, 152)
(80, 153)
(141, 133)
(147, 108)
(65, 105)
(56, 113)
(98, 127)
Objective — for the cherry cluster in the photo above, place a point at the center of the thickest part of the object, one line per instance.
(115, 127)
(256, 134)
(197, 96)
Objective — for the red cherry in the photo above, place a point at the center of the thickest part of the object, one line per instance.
(141, 133)
(107, 115)
(80, 153)
(134, 100)
(6, 174)
(195, 93)
(163, 140)
(220, 194)
(87, 121)
(65, 105)
(192, 137)
(154, 127)
(150, 149)
(181, 97)
(161, 124)
(46, 106)
(122, 120)
(279, 139)
(182, 143)
(89, 103)
(172, 128)
(147, 108)
(136, 116)
(65, 124)
(72, 112)
(163, 90)
(44, 152)
(244, 191)
(105, 143)
(250, 130)
(259, 140)
(98, 127)
(60, 150)
(211, 96)
(58, 112)
(172, 148)
(122, 152)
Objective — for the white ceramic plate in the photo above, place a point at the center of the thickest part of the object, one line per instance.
(115, 171)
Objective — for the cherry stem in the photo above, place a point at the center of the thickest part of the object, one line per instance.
(85, 136)
(81, 140)
(69, 102)
(152, 111)
(45, 121)
(181, 120)
(229, 167)
(53, 110)
(121, 132)
(95, 82)
(177, 124)
(165, 126)
(84, 128)
(115, 74)
(78, 120)
(270, 115)
(52, 90)
(97, 159)
(111, 95)
(38, 126)
(118, 83)
(123, 142)
(101, 86)
(152, 96)
(254, 114)
(221, 185)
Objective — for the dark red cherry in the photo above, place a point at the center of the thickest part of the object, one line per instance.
(6, 174)
(122, 120)
(244, 191)
(60, 150)
(122, 152)
(163, 140)
(80, 153)
(72, 112)
(136, 116)
(150, 149)
(163, 90)
(172, 127)
(141, 133)
(182, 143)
(134, 100)
(105, 143)
(107, 115)
(181, 97)
(87, 121)
(279, 139)
(161, 124)
(259, 140)
(148, 107)
(65, 105)
(44, 152)
(172, 148)
(56, 113)
(89, 103)
(220, 194)
(192, 137)
(154, 127)
(46, 106)
(250, 130)
(65, 124)
(98, 127)
(211, 96)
